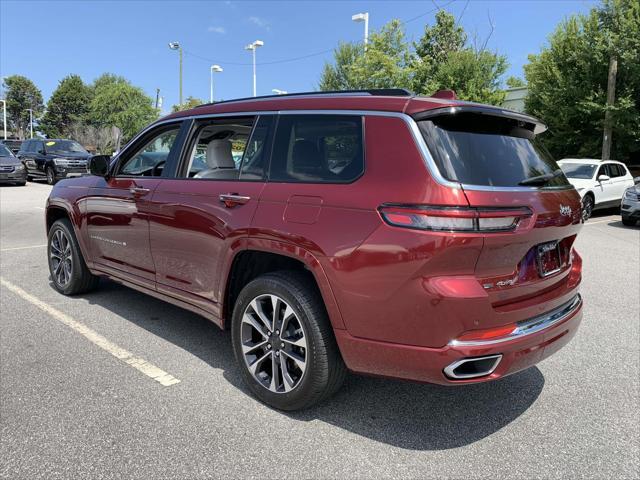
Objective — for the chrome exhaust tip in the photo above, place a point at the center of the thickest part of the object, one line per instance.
(473, 367)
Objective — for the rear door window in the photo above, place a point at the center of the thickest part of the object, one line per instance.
(483, 150)
(318, 149)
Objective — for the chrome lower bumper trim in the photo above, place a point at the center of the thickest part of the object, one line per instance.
(529, 327)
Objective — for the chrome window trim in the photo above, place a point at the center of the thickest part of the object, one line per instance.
(531, 326)
(409, 121)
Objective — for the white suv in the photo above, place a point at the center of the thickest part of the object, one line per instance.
(601, 184)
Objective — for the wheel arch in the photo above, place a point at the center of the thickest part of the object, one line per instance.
(57, 211)
(258, 259)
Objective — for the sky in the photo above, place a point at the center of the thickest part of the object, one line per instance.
(47, 40)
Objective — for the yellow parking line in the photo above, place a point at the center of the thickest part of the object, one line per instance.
(140, 364)
(21, 248)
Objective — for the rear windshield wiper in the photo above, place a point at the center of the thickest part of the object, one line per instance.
(541, 179)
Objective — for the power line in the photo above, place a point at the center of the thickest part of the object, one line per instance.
(310, 55)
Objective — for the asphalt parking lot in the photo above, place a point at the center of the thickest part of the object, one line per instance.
(69, 408)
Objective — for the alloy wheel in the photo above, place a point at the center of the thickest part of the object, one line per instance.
(61, 258)
(587, 208)
(274, 344)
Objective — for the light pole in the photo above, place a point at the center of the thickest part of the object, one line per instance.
(277, 91)
(363, 17)
(253, 47)
(4, 117)
(217, 69)
(176, 46)
(30, 122)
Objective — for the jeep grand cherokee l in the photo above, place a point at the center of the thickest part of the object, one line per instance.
(369, 231)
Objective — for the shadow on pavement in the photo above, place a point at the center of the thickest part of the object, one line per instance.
(403, 414)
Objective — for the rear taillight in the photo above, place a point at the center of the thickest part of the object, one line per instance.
(453, 219)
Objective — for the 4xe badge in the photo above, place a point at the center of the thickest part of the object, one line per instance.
(565, 210)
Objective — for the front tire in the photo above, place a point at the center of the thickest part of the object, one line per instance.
(69, 272)
(629, 222)
(284, 343)
(51, 176)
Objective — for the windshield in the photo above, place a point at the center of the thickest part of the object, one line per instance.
(5, 152)
(578, 170)
(478, 149)
(64, 146)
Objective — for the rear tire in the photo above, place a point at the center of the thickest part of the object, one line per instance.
(69, 272)
(21, 184)
(588, 202)
(307, 338)
(629, 222)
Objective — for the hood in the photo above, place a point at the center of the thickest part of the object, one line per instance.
(579, 183)
(73, 155)
(9, 161)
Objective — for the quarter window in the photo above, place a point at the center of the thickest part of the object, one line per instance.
(318, 149)
(149, 161)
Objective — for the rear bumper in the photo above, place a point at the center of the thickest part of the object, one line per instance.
(425, 364)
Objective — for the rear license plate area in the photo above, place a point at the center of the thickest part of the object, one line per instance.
(548, 258)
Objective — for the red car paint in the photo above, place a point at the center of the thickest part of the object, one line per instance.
(396, 297)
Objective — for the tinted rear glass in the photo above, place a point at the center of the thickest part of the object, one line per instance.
(491, 151)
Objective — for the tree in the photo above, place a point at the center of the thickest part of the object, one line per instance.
(384, 64)
(69, 104)
(441, 59)
(567, 82)
(515, 82)
(21, 94)
(189, 103)
(122, 105)
(445, 60)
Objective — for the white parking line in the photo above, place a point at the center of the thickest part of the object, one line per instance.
(140, 364)
(21, 248)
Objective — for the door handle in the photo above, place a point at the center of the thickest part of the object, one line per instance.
(139, 191)
(230, 200)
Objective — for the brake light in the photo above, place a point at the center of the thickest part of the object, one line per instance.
(453, 219)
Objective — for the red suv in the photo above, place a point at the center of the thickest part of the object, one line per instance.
(373, 231)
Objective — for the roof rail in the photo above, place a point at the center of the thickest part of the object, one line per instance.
(388, 92)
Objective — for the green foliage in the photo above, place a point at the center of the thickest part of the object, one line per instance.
(515, 82)
(21, 94)
(189, 103)
(69, 104)
(120, 104)
(441, 59)
(567, 82)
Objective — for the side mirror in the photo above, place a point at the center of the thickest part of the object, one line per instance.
(99, 165)
(603, 178)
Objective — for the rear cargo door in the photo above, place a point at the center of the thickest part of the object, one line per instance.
(501, 166)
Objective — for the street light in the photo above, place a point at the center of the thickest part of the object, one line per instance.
(214, 68)
(278, 91)
(176, 46)
(4, 117)
(253, 47)
(363, 17)
(30, 121)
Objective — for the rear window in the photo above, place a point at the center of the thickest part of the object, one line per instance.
(479, 149)
(318, 149)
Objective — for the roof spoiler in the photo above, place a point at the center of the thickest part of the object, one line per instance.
(532, 123)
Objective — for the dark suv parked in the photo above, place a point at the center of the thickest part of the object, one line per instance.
(12, 144)
(375, 231)
(53, 159)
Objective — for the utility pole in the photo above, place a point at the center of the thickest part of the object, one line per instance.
(30, 122)
(157, 98)
(177, 46)
(611, 99)
(4, 117)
